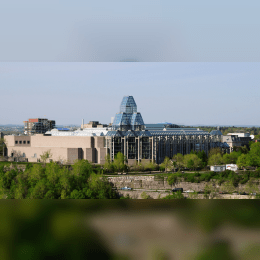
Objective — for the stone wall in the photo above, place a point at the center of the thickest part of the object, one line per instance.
(155, 183)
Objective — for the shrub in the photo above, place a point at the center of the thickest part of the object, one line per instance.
(145, 196)
(172, 179)
(175, 195)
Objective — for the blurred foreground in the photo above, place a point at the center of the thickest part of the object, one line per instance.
(145, 229)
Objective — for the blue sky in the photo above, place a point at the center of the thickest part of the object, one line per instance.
(151, 31)
(220, 93)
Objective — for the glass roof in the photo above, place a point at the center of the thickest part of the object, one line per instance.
(128, 117)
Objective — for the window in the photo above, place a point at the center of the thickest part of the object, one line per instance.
(35, 155)
(28, 142)
(23, 154)
(24, 142)
(20, 142)
(16, 142)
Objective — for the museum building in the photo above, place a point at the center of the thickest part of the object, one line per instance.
(128, 134)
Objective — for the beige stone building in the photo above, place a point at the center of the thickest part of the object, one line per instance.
(65, 149)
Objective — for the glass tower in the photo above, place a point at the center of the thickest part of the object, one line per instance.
(128, 118)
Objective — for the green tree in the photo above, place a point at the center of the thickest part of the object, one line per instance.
(108, 166)
(179, 160)
(254, 155)
(167, 164)
(145, 196)
(242, 161)
(204, 159)
(175, 195)
(119, 162)
(45, 156)
(215, 159)
(192, 161)
(215, 151)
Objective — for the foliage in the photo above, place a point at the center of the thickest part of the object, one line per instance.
(45, 156)
(108, 166)
(145, 196)
(119, 162)
(192, 161)
(125, 197)
(215, 159)
(167, 164)
(175, 195)
(54, 182)
(231, 158)
(179, 160)
(172, 179)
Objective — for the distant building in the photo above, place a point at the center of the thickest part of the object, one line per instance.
(92, 124)
(236, 139)
(232, 167)
(38, 126)
(218, 168)
(128, 134)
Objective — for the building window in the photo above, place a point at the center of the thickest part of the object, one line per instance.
(20, 142)
(28, 142)
(24, 142)
(35, 155)
(16, 142)
(23, 154)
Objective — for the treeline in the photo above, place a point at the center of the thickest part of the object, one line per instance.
(240, 156)
(231, 129)
(119, 165)
(52, 181)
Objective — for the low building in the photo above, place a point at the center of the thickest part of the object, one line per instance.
(231, 167)
(218, 168)
(65, 149)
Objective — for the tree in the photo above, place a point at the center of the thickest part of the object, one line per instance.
(215, 151)
(204, 159)
(175, 195)
(45, 156)
(178, 158)
(215, 159)
(145, 196)
(242, 161)
(108, 166)
(167, 163)
(254, 155)
(119, 162)
(2, 146)
(192, 161)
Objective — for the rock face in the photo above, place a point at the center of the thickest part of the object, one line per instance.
(160, 186)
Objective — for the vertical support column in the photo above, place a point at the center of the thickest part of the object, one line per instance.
(113, 150)
(125, 152)
(138, 153)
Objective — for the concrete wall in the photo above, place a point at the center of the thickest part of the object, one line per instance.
(151, 182)
(61, 147)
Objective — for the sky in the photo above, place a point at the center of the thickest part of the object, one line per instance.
(186, 93)
(146, 30)
(198, 61)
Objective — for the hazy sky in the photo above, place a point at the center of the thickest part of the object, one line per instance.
(222, 93)
(145, 30)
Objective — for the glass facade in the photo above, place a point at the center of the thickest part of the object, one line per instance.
(128, 118)
(139, 142)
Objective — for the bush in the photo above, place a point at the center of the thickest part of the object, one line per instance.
(175, 195)
(172, 179)
(145, 196)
